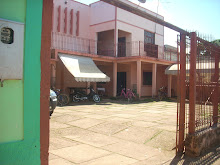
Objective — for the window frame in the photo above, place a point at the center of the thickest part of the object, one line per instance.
(149, 36)
(145, 81)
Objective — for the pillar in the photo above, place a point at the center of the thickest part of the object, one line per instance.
(139, 83)
(114, 79)
(95, 87)
(53, 75)
(154, 80)
(62, 77)
(182, 86)
(169, 85)
(87, 87)
(192, 83)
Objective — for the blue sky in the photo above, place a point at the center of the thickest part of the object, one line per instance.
(192, 15)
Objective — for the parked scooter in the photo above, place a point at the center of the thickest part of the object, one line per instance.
(80, 95)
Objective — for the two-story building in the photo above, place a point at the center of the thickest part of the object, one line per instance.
(107, 47)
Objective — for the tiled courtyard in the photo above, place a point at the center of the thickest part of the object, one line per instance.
(114, 133)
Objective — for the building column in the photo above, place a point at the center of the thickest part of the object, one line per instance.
(154, 80)
(62, 78)
(53, 75)
(95, 87)
(87, 87)
(139, 83)
(114, 79)
(169, 85)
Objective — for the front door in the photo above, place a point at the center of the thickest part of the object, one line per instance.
(121, 82)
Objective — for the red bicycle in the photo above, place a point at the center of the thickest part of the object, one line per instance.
(128, 94)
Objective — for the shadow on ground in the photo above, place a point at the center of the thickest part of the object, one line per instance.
(208, 158)
(119, 101)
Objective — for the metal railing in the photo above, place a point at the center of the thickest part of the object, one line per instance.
(107, 48)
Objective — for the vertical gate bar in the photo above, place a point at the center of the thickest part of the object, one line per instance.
(192, 83)
(182, 91)
(178, 86)
(216, 96)
(45, 79)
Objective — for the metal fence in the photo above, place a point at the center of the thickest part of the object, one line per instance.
(198, 84)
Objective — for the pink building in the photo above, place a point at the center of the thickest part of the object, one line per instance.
(126, 48)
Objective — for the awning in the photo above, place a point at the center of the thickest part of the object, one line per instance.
(205, 67)
(83, 68)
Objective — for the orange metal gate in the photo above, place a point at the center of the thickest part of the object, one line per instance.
(198, 87)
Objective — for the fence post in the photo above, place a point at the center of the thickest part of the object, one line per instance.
(216, 96)
(192, 83)
(182, 91)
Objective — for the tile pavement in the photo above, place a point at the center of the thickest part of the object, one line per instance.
(116, 133)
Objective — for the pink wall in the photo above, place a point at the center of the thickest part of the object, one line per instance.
(101, 12)
(84, 16)
(141, 8)
(100, 17)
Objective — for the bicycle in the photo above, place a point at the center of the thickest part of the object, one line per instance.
(128, 95)
(162, 93)
(62, 99)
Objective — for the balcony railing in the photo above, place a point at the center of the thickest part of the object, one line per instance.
(106, 48)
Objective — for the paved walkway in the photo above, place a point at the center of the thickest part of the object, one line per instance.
(114, 133)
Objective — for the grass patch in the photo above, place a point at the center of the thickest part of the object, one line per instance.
(155, 135)
(113, 98)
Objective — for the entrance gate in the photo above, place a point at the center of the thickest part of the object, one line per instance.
(198, 88)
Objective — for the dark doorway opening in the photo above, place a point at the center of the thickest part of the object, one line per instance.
(122, 47)
(121, 81)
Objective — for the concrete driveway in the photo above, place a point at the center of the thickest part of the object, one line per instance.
(113, 133)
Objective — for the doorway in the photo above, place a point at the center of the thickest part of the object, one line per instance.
(121, 81)
(122, 47)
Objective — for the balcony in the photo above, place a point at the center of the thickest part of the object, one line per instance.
(106, 48)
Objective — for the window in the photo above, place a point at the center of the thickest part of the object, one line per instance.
(149, 37)
(147, 78)
(149, 45)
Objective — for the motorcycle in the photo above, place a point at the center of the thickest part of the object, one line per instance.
(80, 95)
